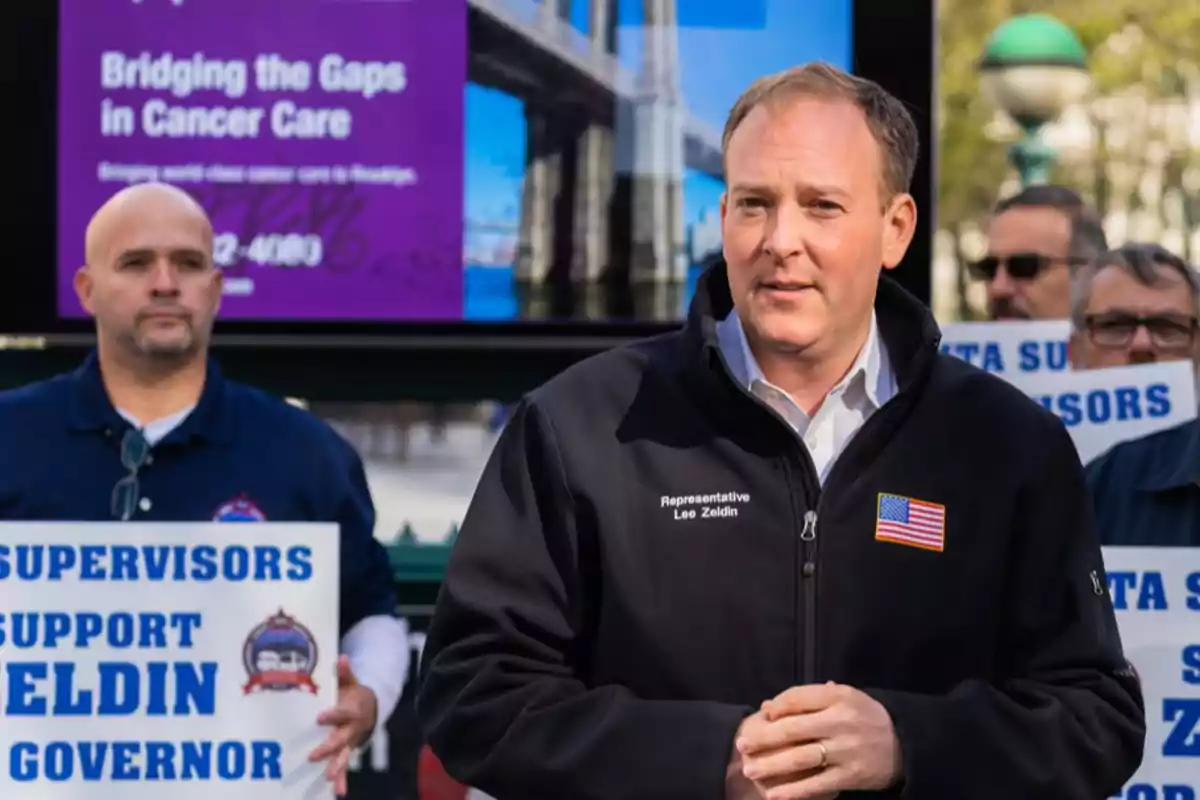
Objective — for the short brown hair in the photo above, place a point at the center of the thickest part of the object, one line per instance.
(889, 121)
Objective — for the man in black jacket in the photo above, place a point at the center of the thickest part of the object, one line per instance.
(790, 551)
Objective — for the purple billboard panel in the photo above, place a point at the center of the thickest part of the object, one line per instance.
(324, 137)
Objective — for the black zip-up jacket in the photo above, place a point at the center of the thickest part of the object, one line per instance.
(593, 640)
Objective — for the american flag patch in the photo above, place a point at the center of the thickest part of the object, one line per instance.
(916, 523)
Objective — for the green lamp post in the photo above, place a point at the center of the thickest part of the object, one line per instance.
(1033, 67)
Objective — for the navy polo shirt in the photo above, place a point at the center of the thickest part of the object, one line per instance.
(239, 455)
(1147, 491)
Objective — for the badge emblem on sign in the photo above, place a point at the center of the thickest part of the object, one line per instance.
(280, 655)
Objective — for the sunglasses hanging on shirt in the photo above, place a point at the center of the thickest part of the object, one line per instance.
(135, 453)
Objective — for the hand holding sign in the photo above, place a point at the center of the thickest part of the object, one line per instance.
(353, 719)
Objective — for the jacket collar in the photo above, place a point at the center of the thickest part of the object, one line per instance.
(907, 328)
(870, 370)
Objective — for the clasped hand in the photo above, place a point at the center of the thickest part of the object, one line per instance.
(813, 742)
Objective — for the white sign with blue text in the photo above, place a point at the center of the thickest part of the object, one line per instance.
(1010, 348)
(1103, 407)
(1156, 594)
(1100, 408)
(178, 660)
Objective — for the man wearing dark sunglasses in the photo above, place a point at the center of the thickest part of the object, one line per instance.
(1141, 304)
(148, 430)
(1034, 239)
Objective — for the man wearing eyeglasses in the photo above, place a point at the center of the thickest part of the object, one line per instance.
(1140, 304)
(1136, 305)
(147, 429)
(1035, 238)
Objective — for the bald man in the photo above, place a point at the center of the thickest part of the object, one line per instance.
(150, 284)
(147, 429)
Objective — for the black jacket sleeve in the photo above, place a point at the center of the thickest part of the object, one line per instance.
(1064, 719)
(501, 701)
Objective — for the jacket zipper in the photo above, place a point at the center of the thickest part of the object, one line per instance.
(808, 577)
(813, 492)
(810, 484)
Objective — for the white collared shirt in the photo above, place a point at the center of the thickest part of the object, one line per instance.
(869, 384)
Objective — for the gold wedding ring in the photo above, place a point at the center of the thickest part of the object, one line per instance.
(824, 756)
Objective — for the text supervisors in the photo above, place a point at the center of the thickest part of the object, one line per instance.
(153, 562)
(182, 77)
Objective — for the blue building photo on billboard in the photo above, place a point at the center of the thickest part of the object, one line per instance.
(722, 46)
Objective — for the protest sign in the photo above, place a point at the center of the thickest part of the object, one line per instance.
(1100, 408)
(1103, 407)
(1156, 594)
(182, 660)
(1009, 348)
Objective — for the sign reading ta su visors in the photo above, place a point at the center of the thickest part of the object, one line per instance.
(186, 660)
